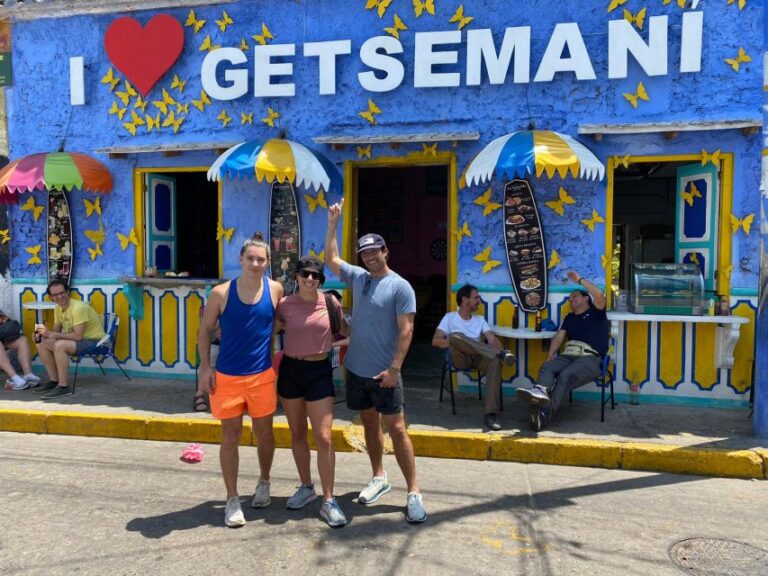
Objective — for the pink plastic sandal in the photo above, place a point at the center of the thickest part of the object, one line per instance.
(192, 454)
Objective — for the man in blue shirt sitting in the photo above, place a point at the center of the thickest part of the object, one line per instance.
(587, 330)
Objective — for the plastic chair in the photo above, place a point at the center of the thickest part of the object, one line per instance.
(104, 348)
(449, 369)
(603, 381)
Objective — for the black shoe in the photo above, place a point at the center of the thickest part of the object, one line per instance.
(539, 417)
(536, 396)
(492, 422)
(50, 385)
(58, 391)
(507, 358)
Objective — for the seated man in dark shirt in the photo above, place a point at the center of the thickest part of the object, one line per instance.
(580, 362)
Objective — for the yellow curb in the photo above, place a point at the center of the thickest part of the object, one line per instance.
(560, 451)
(26, 421)
(87, 424)
(763, 453)
(698, 461)
(464, 445)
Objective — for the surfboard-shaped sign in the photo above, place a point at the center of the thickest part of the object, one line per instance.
(284, 234)
(526, 255)
(60, 240)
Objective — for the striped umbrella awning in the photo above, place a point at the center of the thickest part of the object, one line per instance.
(533, 152)
(53, 171)
(277, 159)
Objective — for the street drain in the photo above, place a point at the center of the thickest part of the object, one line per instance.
(718, 557)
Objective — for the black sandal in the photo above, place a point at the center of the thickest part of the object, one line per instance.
(200, 403)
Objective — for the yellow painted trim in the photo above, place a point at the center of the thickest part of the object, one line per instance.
(609, 239)
(726, 206)
(220, 207)
(169, 328)
(453, 215)
(349, 224)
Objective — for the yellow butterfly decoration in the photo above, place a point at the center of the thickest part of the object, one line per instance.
(178, 83)
(459, 17)
(641, 94)
(115, 109)
(35, 251)
(559, 205)
(225, 233)
(177, 122)
(420, 6)
(136, 119)
(270, 118)
(743, 223)
(484, 257)
(313, 203)
(208, 45)
(131, 127)
(621, 161)
(691, 194)
(95, 251)
(680, 3)
(616, 3)
(382, 6)
(246, 118)
(554, 260)
(4, 236)
(163, 104)
(126, 95)
(91, 207)
(225, 21)
(742, 56)
(463, 231)
(97, 236)
(714, 157)
(429, 149)
(395, 29)
(638, 19)
(193, 20)
(320, 256)
(111, 79)
(182, 108)
(740, 4)
(370, 113)
(266, 34)
(153, 123)
(725, 272)
(591, 222)
(485, 201)
(694, 257)
(203, 102)
(243, 45)
(170, 119)
(30, 206)
(140, 103)
(364, 152)
(129, 239)
(605, 260)
(224, 118)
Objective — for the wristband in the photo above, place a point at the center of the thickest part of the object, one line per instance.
(580, 279)
(394, 369)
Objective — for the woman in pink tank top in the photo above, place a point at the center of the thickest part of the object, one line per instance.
(305, 383)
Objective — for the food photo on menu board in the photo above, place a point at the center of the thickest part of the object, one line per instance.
(524, 240)
(284, 233)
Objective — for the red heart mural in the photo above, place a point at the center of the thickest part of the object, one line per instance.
(143, 55)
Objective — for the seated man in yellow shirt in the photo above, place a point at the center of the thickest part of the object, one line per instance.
(76, 329)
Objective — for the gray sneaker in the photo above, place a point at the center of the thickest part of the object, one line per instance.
(331, 513)
(376, 488)
(261, 497)
(233, 514)
(537, 395)
(303, 496)
(415, 512)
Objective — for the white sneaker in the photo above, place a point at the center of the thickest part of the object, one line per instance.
(261, 497)
(376, 488)
(16, 383)
(32, 379)
(332, 514)
(233, 514)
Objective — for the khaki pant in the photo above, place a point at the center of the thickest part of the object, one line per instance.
(468, 353)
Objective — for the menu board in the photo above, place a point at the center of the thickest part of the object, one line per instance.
(524, 239)
(284, 234)
(59, 238)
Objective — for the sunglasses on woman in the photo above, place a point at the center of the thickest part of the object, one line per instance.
(309, 274)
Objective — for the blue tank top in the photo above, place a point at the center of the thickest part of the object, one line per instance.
(246, 334)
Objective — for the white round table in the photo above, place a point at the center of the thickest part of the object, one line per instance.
(39, 306)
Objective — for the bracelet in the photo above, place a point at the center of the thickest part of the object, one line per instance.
(394, 369)
(580, 279)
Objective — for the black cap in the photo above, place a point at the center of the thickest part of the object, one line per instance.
(370, 241)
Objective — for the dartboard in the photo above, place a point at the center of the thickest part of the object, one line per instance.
(438, 249)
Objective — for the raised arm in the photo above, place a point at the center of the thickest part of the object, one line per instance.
(332, 257)
(598, 298)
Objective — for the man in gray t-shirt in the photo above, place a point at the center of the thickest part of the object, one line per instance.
(383, 307)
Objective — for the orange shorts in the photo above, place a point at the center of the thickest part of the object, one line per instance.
(234, 395)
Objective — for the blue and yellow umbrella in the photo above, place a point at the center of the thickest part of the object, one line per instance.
(533, 152)
(277, 159)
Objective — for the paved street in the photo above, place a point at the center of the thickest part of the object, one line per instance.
(105, 506)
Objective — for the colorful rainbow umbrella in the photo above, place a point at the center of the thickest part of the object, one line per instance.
(277, 159)
(533, 152)
(53, 170)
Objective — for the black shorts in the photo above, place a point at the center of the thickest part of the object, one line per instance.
(365, 393)
(311, 380)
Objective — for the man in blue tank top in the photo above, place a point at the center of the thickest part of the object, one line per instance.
(243, 379)
(383, 307)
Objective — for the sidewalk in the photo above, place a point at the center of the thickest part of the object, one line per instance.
(665, 438)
